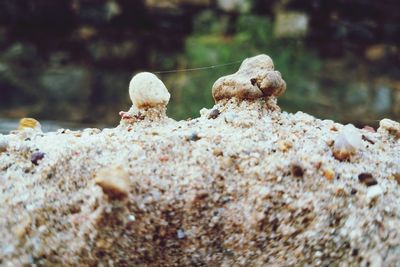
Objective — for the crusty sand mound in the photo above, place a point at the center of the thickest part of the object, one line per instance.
(243, 185)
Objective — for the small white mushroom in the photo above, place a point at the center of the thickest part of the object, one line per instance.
(146, 90)
(347, 143)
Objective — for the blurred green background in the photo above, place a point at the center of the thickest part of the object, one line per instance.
(72, 60)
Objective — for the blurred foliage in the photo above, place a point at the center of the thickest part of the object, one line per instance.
(212, 44)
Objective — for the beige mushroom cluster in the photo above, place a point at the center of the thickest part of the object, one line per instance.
(256, 78)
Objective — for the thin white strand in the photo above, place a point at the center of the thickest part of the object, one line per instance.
(200, 68)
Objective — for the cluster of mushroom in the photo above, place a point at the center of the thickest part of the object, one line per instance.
(256, 78)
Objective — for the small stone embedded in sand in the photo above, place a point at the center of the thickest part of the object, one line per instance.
(180, 234)
(284, 145)
(367, 179)
(296, 170)
(256, 78)
(146, 90)
(389, 126)
(217, 152)
(329, 174)
(29, 123)
(193, 137)
(397, 177)
(214, 114)
(131, 218)
(347, 143)
(114, 181)
(36, 157)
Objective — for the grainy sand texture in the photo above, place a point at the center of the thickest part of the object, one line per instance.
(245, 184)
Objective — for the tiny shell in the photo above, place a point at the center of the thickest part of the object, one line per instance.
(347, 143)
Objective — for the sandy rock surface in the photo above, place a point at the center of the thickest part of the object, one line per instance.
(245, 184)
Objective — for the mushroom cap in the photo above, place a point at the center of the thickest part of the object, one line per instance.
(146, 90)
(260, 62)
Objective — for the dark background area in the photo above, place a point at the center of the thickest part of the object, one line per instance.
(72, 60)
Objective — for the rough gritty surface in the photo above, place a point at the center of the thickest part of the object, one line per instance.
(246, 186)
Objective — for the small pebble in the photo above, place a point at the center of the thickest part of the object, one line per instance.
(367, 179)
(354, 253)
(284, 146)
(214, 114)
(180, 234)
(114, 181)
(353, 191)
(36, 156)
(389, 126)
(296, 170)
(397, 177)
(194, 137)
(163, 158)
(28, 123)
(329, 174)
(217, 152)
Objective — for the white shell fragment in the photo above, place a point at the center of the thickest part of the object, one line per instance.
(373, 192)
(347, 143)
(146, 90)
